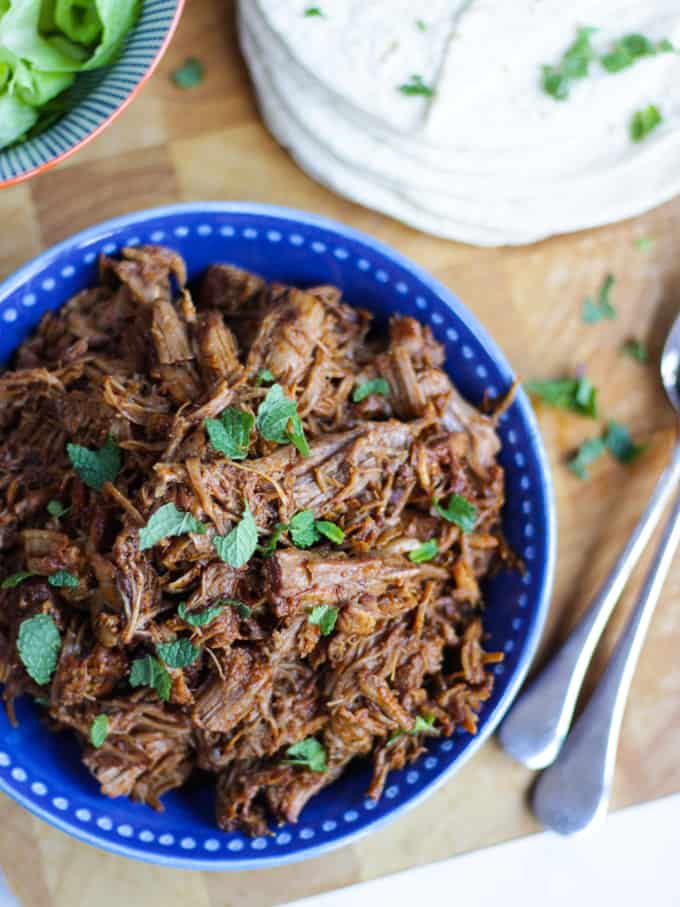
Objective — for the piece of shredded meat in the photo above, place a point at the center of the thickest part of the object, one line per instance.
(135, 360)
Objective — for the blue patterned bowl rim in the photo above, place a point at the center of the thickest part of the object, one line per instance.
(104, 234)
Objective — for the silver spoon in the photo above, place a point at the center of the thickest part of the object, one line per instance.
(575, 792)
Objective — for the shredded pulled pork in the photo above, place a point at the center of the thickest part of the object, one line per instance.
(138, 360)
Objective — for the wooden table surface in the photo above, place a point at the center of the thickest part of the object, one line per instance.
(209, 143)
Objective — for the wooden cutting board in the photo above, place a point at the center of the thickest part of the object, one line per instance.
(208, 143)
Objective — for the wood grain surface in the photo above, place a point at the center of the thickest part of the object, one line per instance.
(208, 143)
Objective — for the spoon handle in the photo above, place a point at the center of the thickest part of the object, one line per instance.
(573, 793)
(534, 731)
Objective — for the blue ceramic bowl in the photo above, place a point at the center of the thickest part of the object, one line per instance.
(97, 97)
(43, 772)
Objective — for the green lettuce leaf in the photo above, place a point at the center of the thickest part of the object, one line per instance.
(21, 36)
(117, 18)
(16, 118)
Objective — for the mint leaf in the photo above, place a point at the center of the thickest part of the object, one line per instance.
(149, 672)
(374, 386)
(313, 11)
(636, 349)
(243, 609)
(416, 86)
(99, 730)
(644, 243)
(239, 545)
(421, 25)
(10, 582)
(296, 435)
(62, 579)
(575, 394)
(57, 509)
(602, 309)
(38, 644)
(324, 617)
(270, 546)
(308, 753)
(459, 511)
(330, 530)
(619, 443)
(424, 724)
(189, 75)
(274, 414)
(95, 467)
(574, 65)
(278, 420)
(264, 376)
(424, 552)
(168, 521)
(645, 121)
(587, 453)
(178, 654)
(230, 434)
(302, 529)
(627, 50)
(199, 618)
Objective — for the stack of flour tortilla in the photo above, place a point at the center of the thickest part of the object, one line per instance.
(481, 153)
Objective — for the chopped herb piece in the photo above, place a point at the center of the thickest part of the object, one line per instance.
(636, 349)
(312, 11)
(230, 434)
(424, 724)
(178, 654)
(243, 609)
(302, 529)
(575, 394)
(644, 121)
(168, 521)
(273, 540)
(57, 509)
(331, 531)
(587, 453)
(574, 65)
(95, 467)
(421, 24)
(99, 730)
(277, 420)
(374, 386)
(199, 618)
(459, 511)
(308, 753)
(189, 75)
(620, 444)
(14, 579)
(237, 547)
(424, 552)
(264, 376)
(644, 243)
(602, 309)
(149, 672)
(38, 645)
(324, 617)
(627, 50)
(416, 86)
(62, 579)
(297, 437)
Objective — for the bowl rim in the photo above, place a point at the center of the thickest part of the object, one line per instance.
(106, 229)
(124, 104)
